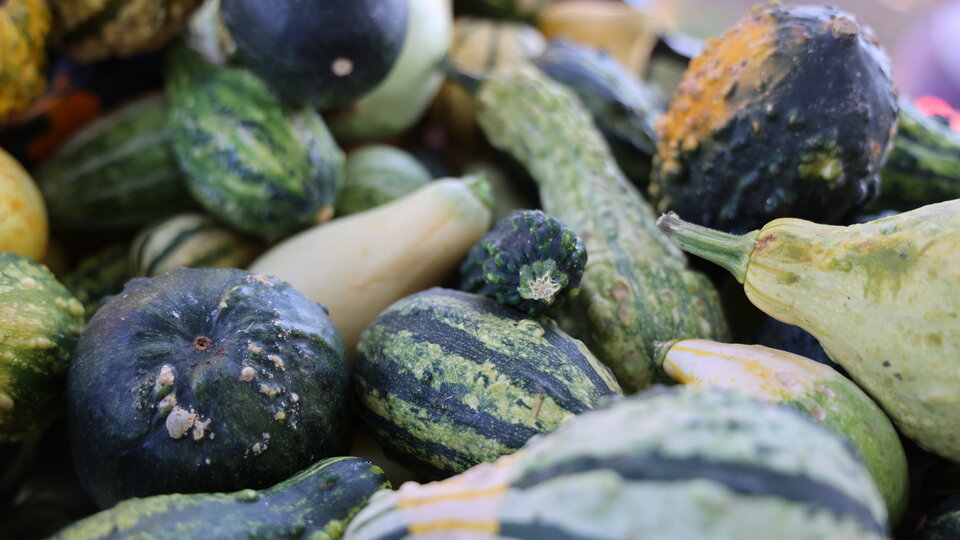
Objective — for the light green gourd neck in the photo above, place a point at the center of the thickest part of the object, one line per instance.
(727, 250)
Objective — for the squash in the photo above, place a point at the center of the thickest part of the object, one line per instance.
(682, 463)
(942, 522)
(39, 323)
(23, 212)
(790, 113)
(447, 379)
(377, 174)
(881, 297)
(220, 380)
(358, 265)
(317, 502)
(529, 261)
(99, 275)
(325, 54)
(24, 26)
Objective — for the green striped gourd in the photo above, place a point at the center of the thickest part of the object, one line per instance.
(190, 240)
(377, 174)
(117, 173)
(812, 388)
(99, 275)
(448, 379)
(39, 323)
(316, 503)
(249, 161)
(686, 463)
(636, 288)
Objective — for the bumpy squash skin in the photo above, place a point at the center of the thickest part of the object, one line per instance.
(98, 276)
(636, 288)
(529, 261)
(790, 113)
(316, 503)
(23, 213)
(24, 25)
(249, 161)
(730, 467)
(39, 323)
(220, 379)
(448, 379)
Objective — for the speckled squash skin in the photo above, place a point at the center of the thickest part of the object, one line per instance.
(636, 288)
(729, 466)
(447, 379)
(220, 379)
(258, 166)
(316, 503)
(24, 26)
(529, 261)
(39, 323)
(23, 213)
(882, 297)
(809, 387)
(790, 113)
(99, 275)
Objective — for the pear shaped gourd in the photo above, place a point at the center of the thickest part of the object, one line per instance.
(883, 298)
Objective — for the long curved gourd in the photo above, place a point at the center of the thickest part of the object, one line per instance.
(883, 298)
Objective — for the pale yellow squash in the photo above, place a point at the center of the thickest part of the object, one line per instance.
(23, 214)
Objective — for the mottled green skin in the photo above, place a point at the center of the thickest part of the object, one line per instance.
(447, 379)
(924, 165)
(316, 503)
(99, 275)
(683, 463)
(116, 174)
(377, 174)
(623, 107)
(943, 522)
(525, 250)
(271, 378)
(249, 161)
(636, 287)
(39, 324)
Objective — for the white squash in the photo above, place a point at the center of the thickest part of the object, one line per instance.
(358, 265)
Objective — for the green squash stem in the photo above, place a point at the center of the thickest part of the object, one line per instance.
(730, 251)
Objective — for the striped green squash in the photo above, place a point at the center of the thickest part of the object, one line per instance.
(316, 503)
(682, 463)
(190, 240)
(249, 161)
(118, 173)
(99, 275)
(448, 379)
(377, 174)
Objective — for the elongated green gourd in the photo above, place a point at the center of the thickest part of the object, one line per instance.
(636, 288)
(883, 298)
(808, 386)
(316, 503)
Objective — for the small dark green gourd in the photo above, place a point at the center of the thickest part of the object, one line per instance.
(529, 261)
(943, 522)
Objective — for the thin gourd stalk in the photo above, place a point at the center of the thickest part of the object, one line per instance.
(730, 251)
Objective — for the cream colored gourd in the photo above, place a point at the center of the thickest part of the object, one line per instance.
(358, 265)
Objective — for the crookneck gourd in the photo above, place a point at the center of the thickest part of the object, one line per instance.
(882, 297)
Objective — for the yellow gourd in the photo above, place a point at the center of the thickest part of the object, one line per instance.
(23, 216)
(24, 25)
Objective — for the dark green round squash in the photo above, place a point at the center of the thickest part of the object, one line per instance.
(204, 380)
(326, 53)
(529, 261)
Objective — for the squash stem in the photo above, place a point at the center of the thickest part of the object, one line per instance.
(727, 250)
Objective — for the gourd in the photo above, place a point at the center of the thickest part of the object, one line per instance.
(325, 54)
(317, 502)
(790, 113)
(529, 261)
(24, 26)
(358, 265)
(447, 379)
(220, 380)
(942, 522)
(881, 297)
(729, 466)
(117, 173)
(39, 323)
(99, 275)
(377, 174)
(809, 387)
(23, 213)
(249, 161)
(636, 288)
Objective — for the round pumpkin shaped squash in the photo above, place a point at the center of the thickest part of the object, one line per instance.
(23, 215)
(204, 380)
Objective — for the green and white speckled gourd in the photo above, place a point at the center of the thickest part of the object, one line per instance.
(681, 463)
(883, 298)
(529, 261)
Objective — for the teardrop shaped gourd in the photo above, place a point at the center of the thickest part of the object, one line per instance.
(883, 298)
